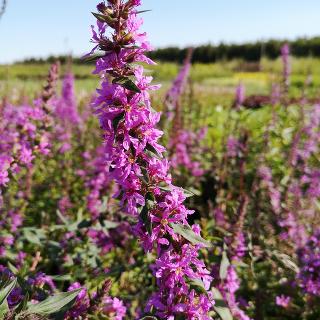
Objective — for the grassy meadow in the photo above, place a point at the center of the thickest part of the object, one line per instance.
(217, 80)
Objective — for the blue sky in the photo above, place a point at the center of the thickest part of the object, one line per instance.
(39, 28)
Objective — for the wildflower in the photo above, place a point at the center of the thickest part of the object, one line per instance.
(174, 94)
(113, 308)
(240, 94)
(81, 304)
(309, 262)
(285, 55)
(283, 301)
(135, 160)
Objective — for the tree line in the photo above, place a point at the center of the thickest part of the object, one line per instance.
(251, 52)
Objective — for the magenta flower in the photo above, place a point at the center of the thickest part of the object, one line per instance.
(81, 304)
(135, 161)
(283, 301)
(240, 94)
(285, 55)
(309, 262)
(228, 287)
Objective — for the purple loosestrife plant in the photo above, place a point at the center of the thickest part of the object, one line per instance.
(228, 287)
(304, 189)
(24, 132)
(265, 174)
(240, 95)
(283, 301)
(174, 93)
(184, 145)
(309, 262)
(285, 56)
(137, 164)
(66, 112)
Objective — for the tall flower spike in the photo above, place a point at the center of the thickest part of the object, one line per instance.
(137, 164)
(172, 103)
(240, 95)
(285, 55)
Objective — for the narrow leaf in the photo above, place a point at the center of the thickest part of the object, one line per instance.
(126, 83)
(54, 304)
(190, 235)
(220, 306)
(116, 120)
(145, 217)
(4, 292)
(152, 151)
(142, 11)
(103, 18)
(198, 285)
(225, 263)
(4, 309)
(107, 224)
(188, 193)
(130, 85)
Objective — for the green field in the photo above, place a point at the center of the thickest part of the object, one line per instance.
(217, 80)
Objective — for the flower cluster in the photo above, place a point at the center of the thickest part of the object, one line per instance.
(275, 196)
(175, 92)
(229, 286)
(285, 55)
(234, 147)
(40, 286)
(283, 301)
(184, 145)
(24, 132)
(97, 180)
(240, 94)
(309, 262)
(66, 113)
(136, 162)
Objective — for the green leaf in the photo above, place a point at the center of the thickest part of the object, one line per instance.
(225, 263)
(103, 18)
(198, 285)
(188, 193)
(195, 191)
(188, 233)
(145, 217)
(4, 293)
(62, 218)
(166, 189)
(149, 318)
(142, 11)
(116, 120)
(223, 231)
(93, 57)
(12, 268)
(23, 304)
(33, 235)
(64, 277)
(127, 84)
(4, 308)
(285, 260)
(220, 306)
(152, 151)
(84, 224)
(107, 224)
(99, 16)
(54, 304)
